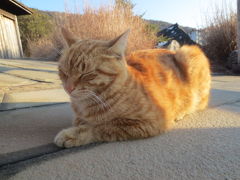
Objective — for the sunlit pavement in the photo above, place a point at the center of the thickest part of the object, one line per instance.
(204, 145)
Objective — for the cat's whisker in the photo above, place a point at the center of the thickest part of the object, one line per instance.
(107, 107)
(96, 98)
(92, 98)
(100, 100)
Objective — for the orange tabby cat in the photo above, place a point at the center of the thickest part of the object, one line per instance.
(138, 97)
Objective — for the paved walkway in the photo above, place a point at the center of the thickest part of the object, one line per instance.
(25, 83)
(205, 145)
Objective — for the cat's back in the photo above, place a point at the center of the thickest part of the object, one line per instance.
(148, 57)
(189, 63)
(176, 80)
(152, 64)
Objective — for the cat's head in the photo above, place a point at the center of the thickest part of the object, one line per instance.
(92, 65)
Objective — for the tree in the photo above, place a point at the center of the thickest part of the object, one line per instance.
(34, 27)
(124, 4)
(238, 30)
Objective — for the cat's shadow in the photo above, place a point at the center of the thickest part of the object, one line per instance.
(176, 142)
(13, 163)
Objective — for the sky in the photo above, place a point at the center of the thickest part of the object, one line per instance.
(190, 13)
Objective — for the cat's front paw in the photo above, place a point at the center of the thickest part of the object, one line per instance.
(74, 136)
(66, 138)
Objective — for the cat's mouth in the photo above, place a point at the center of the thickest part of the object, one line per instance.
(69, 87)
(83, 94)
(75, 93)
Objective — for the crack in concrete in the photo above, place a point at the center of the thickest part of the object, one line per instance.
(34, 106)
(219, 81)
(19, 76)
(226, 103)
(50, 71)
(2, 94)
(23, 155)
(14, 158)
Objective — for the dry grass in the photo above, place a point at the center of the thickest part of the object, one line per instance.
(48, 48)
(220, 35)
(104, 23)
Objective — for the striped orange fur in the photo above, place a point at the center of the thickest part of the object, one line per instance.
(117, 98)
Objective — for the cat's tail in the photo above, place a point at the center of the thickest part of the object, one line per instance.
(192, 62)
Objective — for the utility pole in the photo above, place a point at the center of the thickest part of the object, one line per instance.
(238, 30)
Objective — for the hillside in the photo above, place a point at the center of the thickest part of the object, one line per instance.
(37, 30)
(161, 24)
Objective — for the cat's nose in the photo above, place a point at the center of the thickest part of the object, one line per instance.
(69, 86)
(70, 89)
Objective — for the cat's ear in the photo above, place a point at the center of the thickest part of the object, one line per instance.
(68, 36)
(119, 44)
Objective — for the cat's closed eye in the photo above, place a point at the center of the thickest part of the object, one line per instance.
(88, 76)
(62, 74)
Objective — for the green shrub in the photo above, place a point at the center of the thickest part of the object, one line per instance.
(34, 27)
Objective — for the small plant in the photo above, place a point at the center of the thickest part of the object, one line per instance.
(220, 35)
(163, 38)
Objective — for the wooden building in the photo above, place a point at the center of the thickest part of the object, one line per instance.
(10, 42)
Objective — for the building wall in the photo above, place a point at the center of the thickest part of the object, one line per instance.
(196, 36)
(10, 43)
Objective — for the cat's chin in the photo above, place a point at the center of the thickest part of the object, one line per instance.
(77, 95)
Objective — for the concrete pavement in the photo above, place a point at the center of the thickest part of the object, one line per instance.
(27, 128)
(26, 75)
(204, 145)
(26, 83)
(194, 150)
